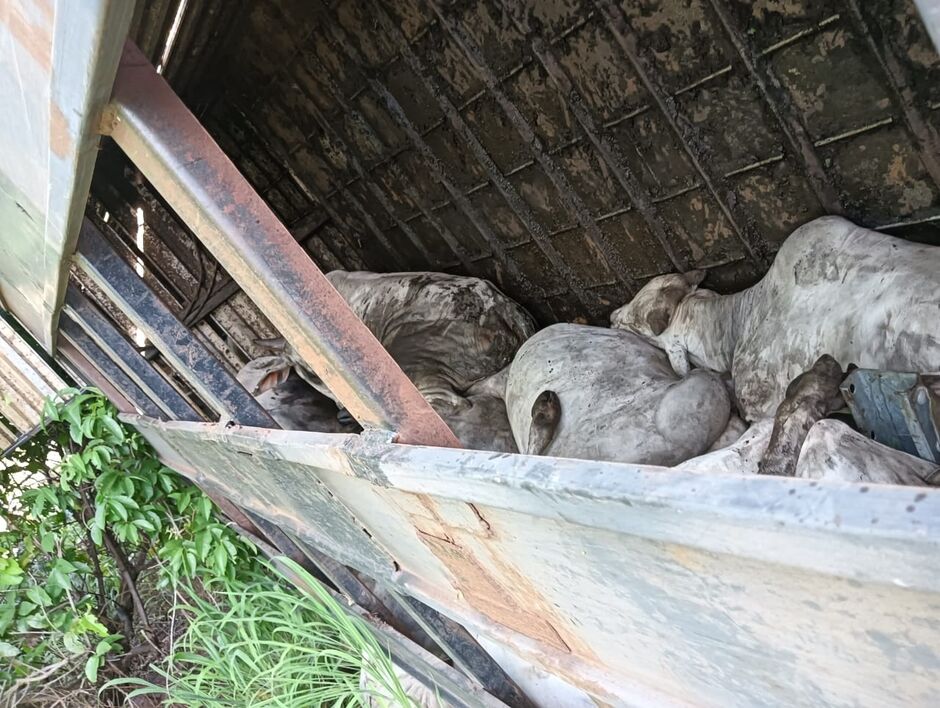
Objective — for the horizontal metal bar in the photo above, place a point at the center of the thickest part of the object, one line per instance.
(201, 369)
(107, 368)
(115, 346)
(200, 183)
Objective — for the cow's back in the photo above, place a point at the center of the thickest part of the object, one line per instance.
(450, 329)
(835, 288)
(619, 398)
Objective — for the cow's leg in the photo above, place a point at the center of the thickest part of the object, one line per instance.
(811, 396)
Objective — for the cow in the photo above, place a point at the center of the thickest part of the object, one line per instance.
(800, 441)
(605, 394)
(861, 296)
(292, 402)
(448, 333)
(831, 451)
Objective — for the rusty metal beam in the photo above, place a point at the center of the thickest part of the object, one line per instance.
(781, 106)
(181, 160)
(201, 369)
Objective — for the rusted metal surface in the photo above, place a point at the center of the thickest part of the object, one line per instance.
(85, 371)
(59, 60)
(25, 380)
(644, 609)
(157, 132)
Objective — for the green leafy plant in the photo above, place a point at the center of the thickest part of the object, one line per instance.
(91, 522)
(251, 641)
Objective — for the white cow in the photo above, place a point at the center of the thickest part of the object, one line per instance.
(832, 452)
(834, 288)
(604, 394)
(446, 332)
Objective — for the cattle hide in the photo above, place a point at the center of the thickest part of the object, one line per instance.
(741, 457)
(446, 332)
(862, 296)
(831, 452)
(811, 396)
(834, 452)
(615, 397)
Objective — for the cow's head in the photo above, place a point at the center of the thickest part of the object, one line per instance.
(283, 349)
(264, 373)
(650, 311)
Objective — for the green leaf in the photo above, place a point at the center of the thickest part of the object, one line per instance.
(10, 572)
(39, 596)
(191, 563)
(47, 542)
(25, 608)
(8, 651)
(112, 427)
(91, 668)
(203, 539)
(221, 559)
(89, 623)
(73, 645)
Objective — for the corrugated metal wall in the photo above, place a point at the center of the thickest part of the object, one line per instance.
(25, 382)
(568, 150)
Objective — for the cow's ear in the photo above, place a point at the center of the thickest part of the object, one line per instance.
(679, 359)
(694, 277)
(273, 344)
(273, 379)
(658, 319)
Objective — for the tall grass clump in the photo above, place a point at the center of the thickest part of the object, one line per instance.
(260, 642)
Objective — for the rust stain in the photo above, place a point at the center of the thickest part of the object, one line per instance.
(488, 596)
(60, 137)
(35, 39)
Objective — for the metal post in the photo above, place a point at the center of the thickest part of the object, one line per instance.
(214, 384)
(201, 184)
(80, 309)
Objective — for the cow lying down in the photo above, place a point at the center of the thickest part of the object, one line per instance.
(832, 451)
(290, 400)
(859, 295)
(799, 441)
(604, 394)
(479, 421)
(446, 332)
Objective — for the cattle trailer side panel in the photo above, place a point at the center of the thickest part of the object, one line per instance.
(637, 584)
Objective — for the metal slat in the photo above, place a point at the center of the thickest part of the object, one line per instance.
(214, 384)
(106, 368)
(80, 309)
(195, 177)
(688, 137)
